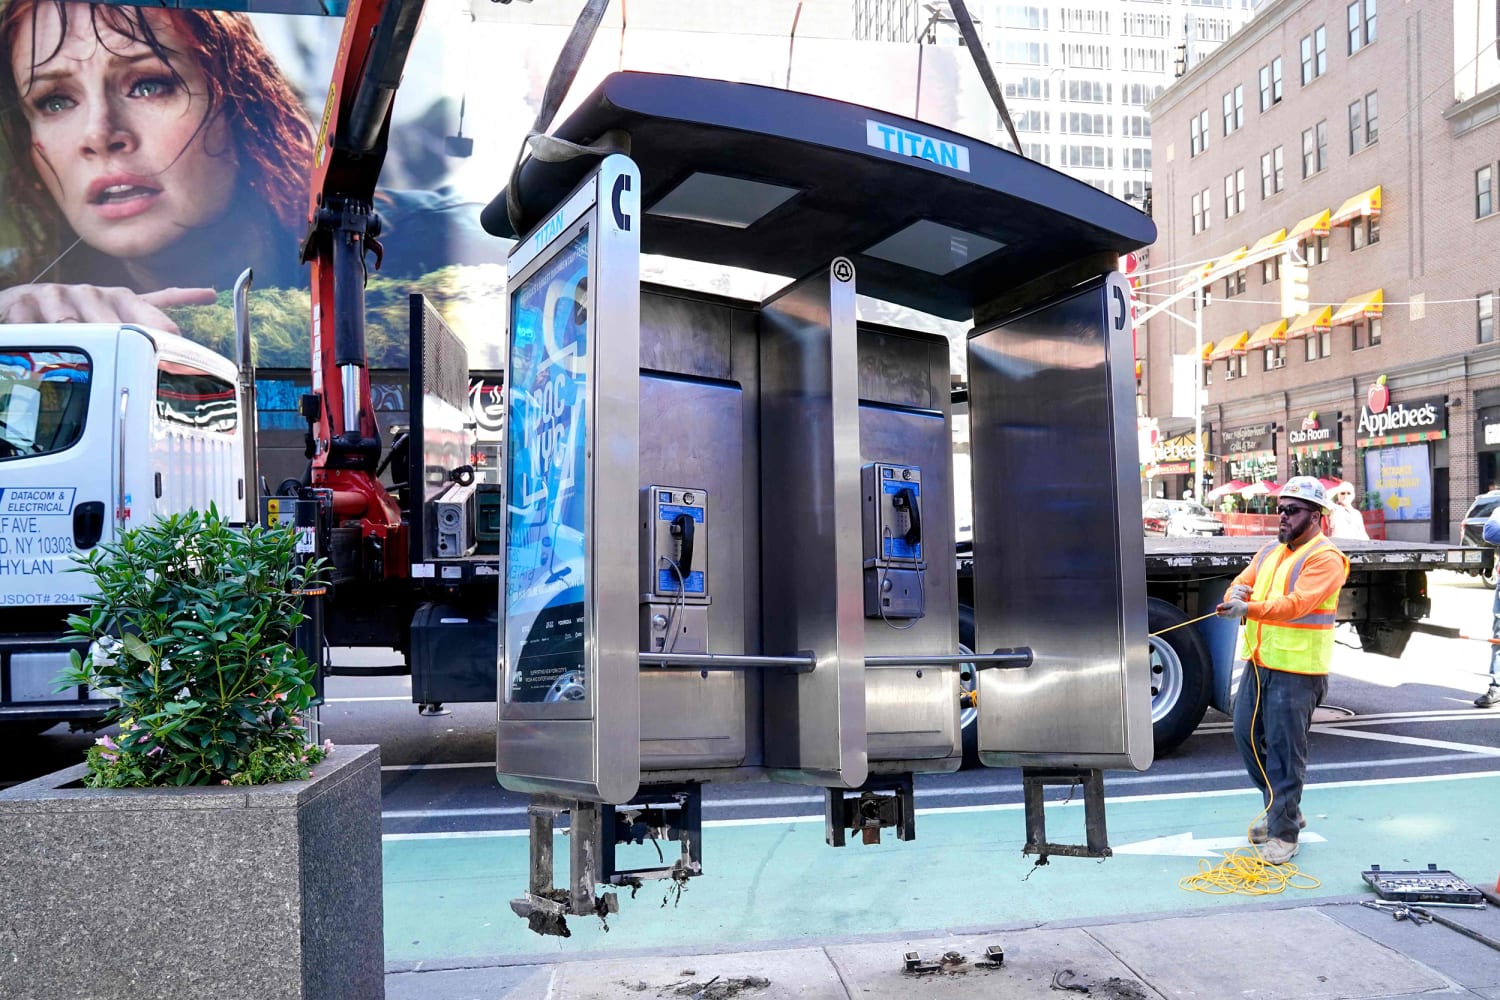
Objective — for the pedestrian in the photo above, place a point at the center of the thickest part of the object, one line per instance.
(1344, 520)
(1491, 697)
(1286, 597)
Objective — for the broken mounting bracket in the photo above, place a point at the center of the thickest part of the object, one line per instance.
(546, 907)
(672, 813)
(880, 803)
(1034, 782)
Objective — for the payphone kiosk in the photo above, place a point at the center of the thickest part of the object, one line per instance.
(729, 544)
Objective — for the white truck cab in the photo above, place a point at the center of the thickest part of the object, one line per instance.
(102, 427)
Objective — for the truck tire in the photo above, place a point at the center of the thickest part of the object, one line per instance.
(968, 718)
(1180, 671)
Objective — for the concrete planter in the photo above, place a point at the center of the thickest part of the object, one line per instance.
(266, 892)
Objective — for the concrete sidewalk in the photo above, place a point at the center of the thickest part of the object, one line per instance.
(1325, 949)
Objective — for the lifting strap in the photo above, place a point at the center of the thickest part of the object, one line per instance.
(550, 149)
(986, 72)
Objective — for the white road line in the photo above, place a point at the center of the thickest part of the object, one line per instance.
(993, 807)
(949, 793)
(369, 697)
(1382, 719)
(488, 764)
(1413, 741)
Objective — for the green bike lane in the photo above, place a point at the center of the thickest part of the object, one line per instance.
(447, 898)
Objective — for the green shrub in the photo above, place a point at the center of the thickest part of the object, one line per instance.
(191, 631)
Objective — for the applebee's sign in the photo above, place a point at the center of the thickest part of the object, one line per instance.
(1380, 417)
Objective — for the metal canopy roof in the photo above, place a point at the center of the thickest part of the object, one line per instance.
(944, 239)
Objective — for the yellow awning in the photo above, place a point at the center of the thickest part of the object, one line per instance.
(1359, 307)
(1195, 275)
(1270, 334)
(1229, 259)
(1365, 204)
(1233, 344)
(1315, 321)
(1208, 350)
(1314, 225)
(1269, 240)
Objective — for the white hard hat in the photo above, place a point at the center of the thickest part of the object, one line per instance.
(1305, 488)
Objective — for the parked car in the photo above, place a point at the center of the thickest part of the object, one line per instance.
(1473, 531)
(1179, 517)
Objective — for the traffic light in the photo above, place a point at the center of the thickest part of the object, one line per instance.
(1293, 287)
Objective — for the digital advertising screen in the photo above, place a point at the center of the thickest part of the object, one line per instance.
(1403, 478)
(547, 450)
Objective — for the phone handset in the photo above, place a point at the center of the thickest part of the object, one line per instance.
(682, 529)
(905, 501)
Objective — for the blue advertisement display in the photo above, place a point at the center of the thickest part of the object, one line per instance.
(547, 429)
(1403, 478)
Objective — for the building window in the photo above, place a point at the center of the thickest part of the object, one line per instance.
(1200, 211)
(1033, 88)
(1363, 232)
(1361, 23)
(1198, 132)
(1236, 366)
(1484, 191)
(1486, 317)
(1234, 284)
(1319, 345)
(1275, 356)
(1365, 333)
(1272, 172)
(1314, 250)
(1363, 123)
(1270, 84)
(1314, 55)
(1234, 193)
(1234, 109)
(1270, 270)
(1314, 149)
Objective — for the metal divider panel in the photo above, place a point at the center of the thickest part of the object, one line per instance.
(814, 723)
(439, 411)
(1056, 565)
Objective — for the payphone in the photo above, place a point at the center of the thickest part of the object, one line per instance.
(674, 541)
(894, 565)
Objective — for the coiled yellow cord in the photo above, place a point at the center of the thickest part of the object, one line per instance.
(1243, 871)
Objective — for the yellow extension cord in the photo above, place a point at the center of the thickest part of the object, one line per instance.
(1243, 871)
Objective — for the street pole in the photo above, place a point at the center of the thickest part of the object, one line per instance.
(1198, 394)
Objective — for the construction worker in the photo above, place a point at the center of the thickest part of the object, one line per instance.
(1286, 597)
(1491, 696)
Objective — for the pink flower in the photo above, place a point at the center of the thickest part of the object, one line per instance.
(154, 751)
(106, 743)
(279, 696)
(223, 781)
(328, 746)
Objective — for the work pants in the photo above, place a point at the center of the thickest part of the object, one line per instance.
(1495, 647)
(1271, 722)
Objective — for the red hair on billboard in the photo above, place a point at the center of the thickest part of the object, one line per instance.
(266, 123)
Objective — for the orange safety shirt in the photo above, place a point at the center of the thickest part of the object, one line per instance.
(1290, 614)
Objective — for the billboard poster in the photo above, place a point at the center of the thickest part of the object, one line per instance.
(1403, 478)
(149, 154)
(547, 434)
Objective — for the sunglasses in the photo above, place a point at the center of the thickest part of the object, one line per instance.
(1292, 511)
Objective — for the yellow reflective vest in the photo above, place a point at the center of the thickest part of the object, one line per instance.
(1302, 645)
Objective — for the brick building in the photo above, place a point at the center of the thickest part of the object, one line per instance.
(1365, 141)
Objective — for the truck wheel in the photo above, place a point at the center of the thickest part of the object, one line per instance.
(1487, 576)
(1180, 668)
(968, 718)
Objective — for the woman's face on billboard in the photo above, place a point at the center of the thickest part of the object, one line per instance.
(120, 141)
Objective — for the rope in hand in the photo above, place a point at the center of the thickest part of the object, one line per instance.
(1191, 621)
(1243, 871)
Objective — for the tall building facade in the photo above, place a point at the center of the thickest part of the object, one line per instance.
(1078, 76)
(1362, 138)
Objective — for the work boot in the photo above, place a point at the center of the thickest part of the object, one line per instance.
(1260, 832)
(1490, 698)
(1277, 852)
